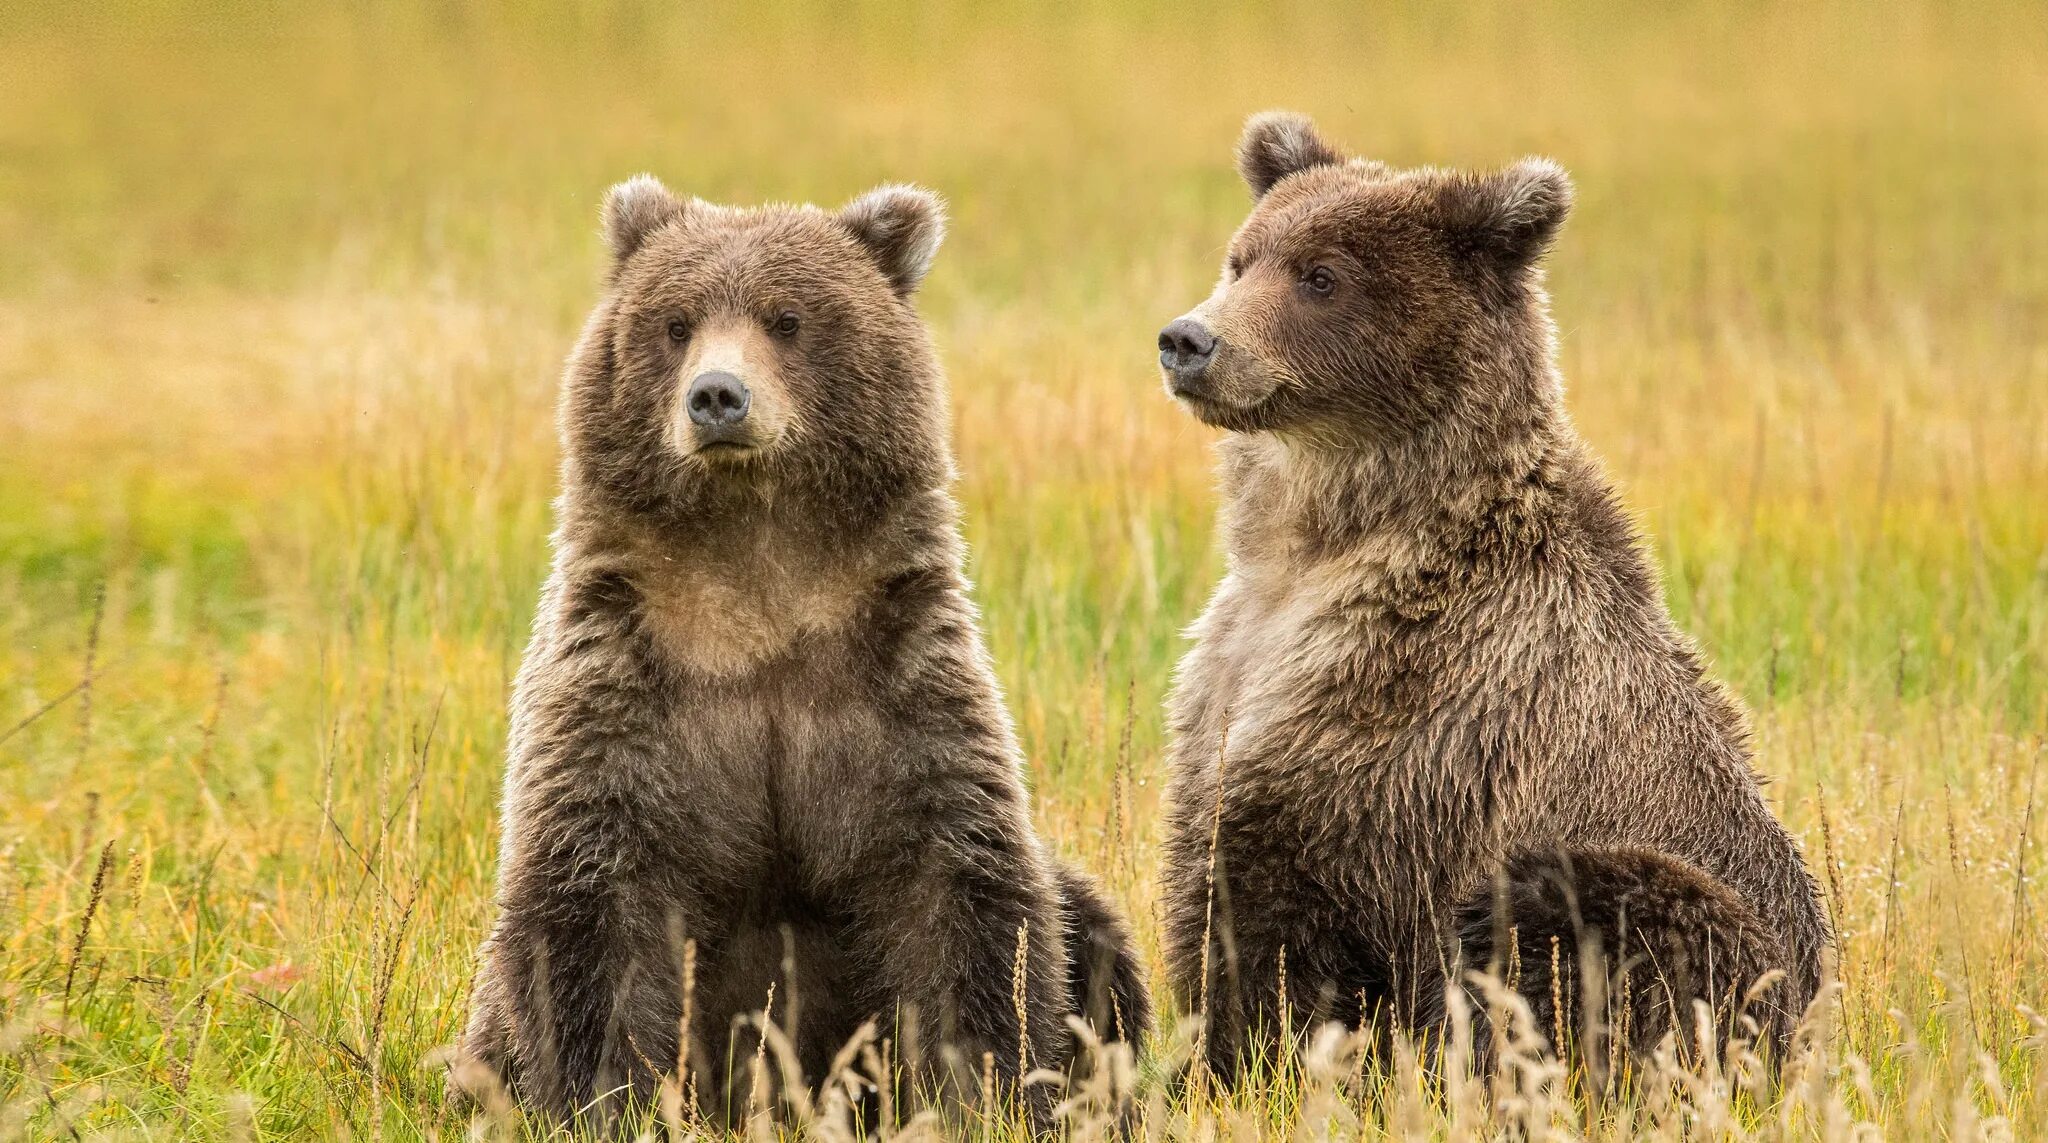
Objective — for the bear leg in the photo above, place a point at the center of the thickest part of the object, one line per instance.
(1105, 981)
(1615, 945)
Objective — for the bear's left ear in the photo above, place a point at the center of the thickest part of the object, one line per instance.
(635, 209)
(901, 227)
(1510, 216)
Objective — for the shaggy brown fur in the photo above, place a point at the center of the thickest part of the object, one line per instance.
(756, 712)
(1438, 674)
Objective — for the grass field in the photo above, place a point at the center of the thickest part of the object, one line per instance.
(285, 290)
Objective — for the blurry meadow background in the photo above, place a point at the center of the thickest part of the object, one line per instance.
(284, 295)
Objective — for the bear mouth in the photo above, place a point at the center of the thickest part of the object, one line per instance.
(1230, 416)
(1200, 400)
(725, 442)
(726, 449)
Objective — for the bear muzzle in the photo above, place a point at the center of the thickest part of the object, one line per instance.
(717, 403)
(729, 403)
(1215, 359)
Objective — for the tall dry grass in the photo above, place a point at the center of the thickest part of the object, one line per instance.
(284, 292)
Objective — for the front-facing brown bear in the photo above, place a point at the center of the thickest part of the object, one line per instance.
(1436, 716)
(756, 719)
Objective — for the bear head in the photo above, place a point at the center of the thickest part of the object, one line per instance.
(1361, 305)
(749, 357)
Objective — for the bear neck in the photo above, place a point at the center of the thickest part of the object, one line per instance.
(1395, 510)
(762, 537)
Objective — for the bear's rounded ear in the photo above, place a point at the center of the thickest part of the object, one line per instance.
(1277, 144)
(901, 226)
(1510, 216)
(635, 209)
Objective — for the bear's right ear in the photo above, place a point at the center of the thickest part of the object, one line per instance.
(635, 209)
(1277, 144)
(901, 226)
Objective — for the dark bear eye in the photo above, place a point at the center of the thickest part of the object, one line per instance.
(1236, 267)
(1320, 281)
(678, 330)
(786, 322)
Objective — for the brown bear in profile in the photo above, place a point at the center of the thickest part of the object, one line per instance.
(756, 713)
(1438, 700)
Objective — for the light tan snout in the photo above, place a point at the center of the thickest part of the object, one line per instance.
(730, 402)
(1207, 355)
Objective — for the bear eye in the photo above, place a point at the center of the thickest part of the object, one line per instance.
(1235, 267)
(786, 322)
(1320, 281)
(678, 330)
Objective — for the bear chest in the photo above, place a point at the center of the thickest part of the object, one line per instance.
(1278, 662)
(789, 761)
(733, 626)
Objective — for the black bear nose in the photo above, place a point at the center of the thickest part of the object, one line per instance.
(718, 399)
(1185, 347)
